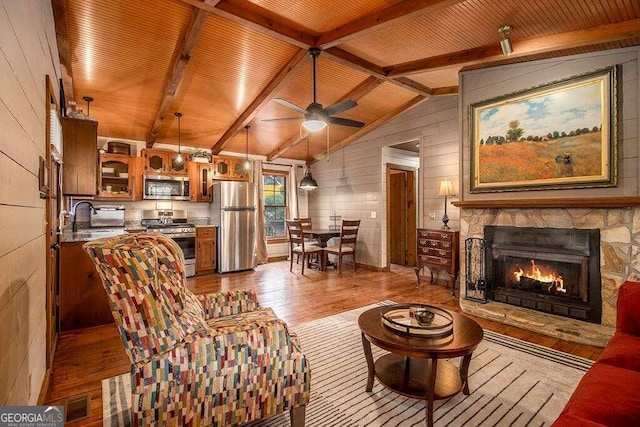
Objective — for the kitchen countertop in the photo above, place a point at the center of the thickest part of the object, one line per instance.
(86, 235)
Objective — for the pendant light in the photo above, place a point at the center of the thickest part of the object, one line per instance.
(179, 159)
(247, 163)
(308, 183)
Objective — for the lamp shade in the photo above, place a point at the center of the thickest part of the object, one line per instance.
(308, 183)
(446, 188)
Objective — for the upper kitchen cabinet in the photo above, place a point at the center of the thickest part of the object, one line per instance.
(200, 175)
(163, 161)
(117, 176)
(80, 145)
(229, 168)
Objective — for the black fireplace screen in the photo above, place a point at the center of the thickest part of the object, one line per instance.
(546, 269)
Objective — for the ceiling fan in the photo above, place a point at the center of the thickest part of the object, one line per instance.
(316, 117)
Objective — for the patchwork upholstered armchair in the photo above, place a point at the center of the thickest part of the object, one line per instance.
(218, 359)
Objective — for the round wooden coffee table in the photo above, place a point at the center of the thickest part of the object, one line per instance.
(413, 368)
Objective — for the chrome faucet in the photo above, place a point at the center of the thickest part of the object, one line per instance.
(74, 225)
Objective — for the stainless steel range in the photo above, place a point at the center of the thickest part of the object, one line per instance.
(173, 223)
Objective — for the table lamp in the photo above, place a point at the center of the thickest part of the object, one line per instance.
(446, 189)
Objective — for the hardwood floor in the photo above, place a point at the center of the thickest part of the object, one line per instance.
(85, 357)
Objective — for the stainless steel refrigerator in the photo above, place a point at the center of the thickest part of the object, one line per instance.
(233, 210)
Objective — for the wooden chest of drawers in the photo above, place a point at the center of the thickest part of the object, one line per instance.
(438, 251)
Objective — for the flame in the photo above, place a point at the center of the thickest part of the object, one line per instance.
(555, 281)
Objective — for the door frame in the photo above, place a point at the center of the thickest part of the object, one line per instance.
(411, 208)
(51, 215)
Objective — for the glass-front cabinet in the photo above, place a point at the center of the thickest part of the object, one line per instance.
(115, 176)
(163, 161)
(229, 168)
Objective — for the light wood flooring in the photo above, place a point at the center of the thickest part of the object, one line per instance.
(85, 357)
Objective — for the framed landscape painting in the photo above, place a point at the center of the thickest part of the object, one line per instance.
(559, 135)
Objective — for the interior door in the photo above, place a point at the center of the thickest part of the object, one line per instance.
(401, 213)
(397, 217)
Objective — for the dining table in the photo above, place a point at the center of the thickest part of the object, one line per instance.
(322, 235)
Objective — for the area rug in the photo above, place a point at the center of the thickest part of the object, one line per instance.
(513, 383)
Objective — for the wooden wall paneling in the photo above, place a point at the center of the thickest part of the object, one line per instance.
(27, 43)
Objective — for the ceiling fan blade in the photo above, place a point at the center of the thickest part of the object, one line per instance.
(282, 119)
(345, 122)
(290, 105)
(339, 107)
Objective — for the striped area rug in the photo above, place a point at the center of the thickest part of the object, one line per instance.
(513, 383)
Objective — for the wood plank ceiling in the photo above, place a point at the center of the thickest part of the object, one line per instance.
(221, 63)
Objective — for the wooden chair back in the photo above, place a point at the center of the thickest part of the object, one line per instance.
(305, 222)
(296, 233)
(349, 232)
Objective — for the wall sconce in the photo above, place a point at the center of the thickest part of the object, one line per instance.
(446, 190)
(505, 41)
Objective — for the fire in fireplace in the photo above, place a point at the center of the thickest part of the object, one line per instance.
(546, 269)
(540, 279)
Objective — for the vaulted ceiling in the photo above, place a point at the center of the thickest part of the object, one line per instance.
(222, 63)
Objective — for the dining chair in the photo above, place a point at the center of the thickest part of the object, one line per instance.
(307, 224)
(347, 244)
(298, 245)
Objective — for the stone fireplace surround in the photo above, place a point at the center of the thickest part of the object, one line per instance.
(619, 254)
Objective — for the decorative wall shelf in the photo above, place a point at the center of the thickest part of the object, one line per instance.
(591, 202)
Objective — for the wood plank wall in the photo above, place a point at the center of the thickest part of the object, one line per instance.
(28, 53)
(353, 182)
(483, 84)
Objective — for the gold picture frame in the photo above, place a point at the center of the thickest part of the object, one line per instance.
(555, 136)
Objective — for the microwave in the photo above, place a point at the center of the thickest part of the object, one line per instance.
(165, 187)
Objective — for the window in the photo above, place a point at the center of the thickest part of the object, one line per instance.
(275, 204)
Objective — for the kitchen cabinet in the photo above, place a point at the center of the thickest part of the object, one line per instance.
(80, 148)
(163, 161)
(116, 176)
(83, 301)
(438, 251)
(229, 168)
(206, 249)
(200, 175)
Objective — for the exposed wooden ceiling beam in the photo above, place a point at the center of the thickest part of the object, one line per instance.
(367, 86)
(181, 58)
(263, 97)
(573, 39)
(249, 15)
(392, 15)
(64, 51)
(352, 61)
(373, 125)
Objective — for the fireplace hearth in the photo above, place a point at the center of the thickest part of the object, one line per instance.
(552, 270)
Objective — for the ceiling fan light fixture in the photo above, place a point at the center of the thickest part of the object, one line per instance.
(505, 41)
(314, 125)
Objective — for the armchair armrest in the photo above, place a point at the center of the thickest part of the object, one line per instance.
(628, 316)
(228, 303)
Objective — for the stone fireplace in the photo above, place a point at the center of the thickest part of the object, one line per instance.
(552, 270)
(618, 228)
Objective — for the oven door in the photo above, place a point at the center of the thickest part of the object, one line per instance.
(187, 242)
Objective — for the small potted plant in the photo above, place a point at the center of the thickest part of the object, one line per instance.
(201, 156)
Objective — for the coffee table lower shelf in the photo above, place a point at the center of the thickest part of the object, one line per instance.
(410, 377)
